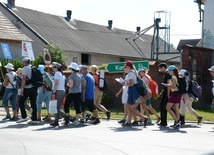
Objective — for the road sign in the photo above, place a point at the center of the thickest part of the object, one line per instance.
(117, 67)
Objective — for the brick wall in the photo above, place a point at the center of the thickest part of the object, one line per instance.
(203, 57)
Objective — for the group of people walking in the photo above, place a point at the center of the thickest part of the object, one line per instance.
(173, 101)
(84, 92)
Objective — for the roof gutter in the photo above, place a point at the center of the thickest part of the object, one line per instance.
(25, 24)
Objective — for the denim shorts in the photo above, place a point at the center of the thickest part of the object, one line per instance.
(10, 95)
(132, 95)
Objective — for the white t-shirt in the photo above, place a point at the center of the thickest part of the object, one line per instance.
(61, 78)
(125, 92)
(11, 75)
(132, 75)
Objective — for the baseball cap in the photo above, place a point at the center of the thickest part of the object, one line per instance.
(129, 63)
(142, 69)
(26, 59)
(171, 67)
(182, 72)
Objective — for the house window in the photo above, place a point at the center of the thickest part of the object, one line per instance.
(85, 59)
(194, 69)
(122, 59)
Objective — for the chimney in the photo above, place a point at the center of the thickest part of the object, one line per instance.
(11, 3)
(138, 29)
(110, 22)
(69, 13)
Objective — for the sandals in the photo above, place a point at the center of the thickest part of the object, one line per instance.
(158, 120)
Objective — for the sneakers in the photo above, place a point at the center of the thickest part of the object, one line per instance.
(48, 119)
(96, 121)
(14, 118)
(199, 119)
(45, 118)
(32, 122)
(92, 118)
(22, 120)
(76, 122)
(108, 114)
(126, 124)
(82, 120)
(7, 117)
(67, 120)
(145, 122)
(176, 124)
(54, 124)
(135, 123)
(158, 120)
(122, 121)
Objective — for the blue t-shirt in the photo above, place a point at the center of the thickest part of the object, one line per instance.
(89, 90)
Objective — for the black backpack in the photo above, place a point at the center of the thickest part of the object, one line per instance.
(141, 87)
(105, 85)
(182, 85)
(36, 78)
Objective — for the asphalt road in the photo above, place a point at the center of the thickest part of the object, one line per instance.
(106, 138)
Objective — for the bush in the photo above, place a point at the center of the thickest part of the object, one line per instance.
(106, 100)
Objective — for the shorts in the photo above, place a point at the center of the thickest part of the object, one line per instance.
(89, 104)
(132, 95)
(175, 97)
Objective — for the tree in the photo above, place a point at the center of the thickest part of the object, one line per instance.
(56, 53)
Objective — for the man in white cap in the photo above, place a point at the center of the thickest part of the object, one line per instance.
(27, 91)
(212, 73)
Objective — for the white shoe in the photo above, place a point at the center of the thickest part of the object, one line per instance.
(32, 122)
(22, 120)
(76, 122)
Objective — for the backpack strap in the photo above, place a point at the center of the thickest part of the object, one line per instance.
(10, 81)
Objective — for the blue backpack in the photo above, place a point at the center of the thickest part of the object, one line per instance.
(196, 89)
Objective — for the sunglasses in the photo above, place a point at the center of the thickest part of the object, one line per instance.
(54, 67)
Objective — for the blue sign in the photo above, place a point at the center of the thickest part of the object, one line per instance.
(6, 51)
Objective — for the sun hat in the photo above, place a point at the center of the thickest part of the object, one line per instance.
(57, 65)
(9, 66)
(19, 70)
(26, 59)
(211, 69)
(182, 72)
(74, 66)
(171, 67)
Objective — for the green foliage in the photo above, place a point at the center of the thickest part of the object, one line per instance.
(102, 67)
(56, 53)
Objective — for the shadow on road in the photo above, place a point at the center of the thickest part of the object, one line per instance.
(125, 129)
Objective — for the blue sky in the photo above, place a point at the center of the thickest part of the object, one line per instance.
(126, 14)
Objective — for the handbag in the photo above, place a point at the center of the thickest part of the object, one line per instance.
(53, 107)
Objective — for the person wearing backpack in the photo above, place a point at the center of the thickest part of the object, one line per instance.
(146, 105)
(187, 98)
(44, 95)
(27, 91)
(175, 96)
(98, 93)
(10, 93)
(133, 95)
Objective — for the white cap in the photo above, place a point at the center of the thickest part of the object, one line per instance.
(26, 59)
(182, 71)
